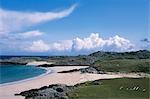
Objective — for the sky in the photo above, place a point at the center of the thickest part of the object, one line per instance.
(73, 27)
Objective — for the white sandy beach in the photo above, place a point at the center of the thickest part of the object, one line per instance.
(8, 91)
(38, 63)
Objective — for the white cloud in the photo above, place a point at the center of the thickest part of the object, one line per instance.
(29, 34)
(41, 46)
(11, 21)
(61, 46)
(38, 46)
(115, 43)
(91, 43)
(118, 43)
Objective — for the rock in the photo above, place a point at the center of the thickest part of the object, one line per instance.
(89, 70)
(59, 90)
(121, 87)
(144, 90)
(64, 97)
(96, 82)
(46, 65)
(137, 88)
(134, 88)
(56, 91)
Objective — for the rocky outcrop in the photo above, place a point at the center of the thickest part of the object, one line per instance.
(69, 71)
(89, 70)
(13, 63)
(84, 70)
(46, 65)
(56, 91)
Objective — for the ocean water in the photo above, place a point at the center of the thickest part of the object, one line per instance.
(11, 73)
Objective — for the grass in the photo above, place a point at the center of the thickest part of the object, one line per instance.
(124, 65)
(110, 89)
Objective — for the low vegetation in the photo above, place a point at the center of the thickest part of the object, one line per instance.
(121, 88)
(124, 65)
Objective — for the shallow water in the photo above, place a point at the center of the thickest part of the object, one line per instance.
(11, 73)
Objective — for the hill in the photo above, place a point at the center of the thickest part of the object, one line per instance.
(135, 61)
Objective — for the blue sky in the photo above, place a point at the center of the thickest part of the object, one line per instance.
(84, 26)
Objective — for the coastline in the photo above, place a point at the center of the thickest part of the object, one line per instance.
(48, 71)
(48, 78)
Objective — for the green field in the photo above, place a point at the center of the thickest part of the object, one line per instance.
(121, 88)
(124, 65)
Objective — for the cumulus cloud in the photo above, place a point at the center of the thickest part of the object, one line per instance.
(29, 34)
(93, 42)
(115, 43)
(38, 46)
(41, 46)
(11, 21)
(118, 43)
(61, 46)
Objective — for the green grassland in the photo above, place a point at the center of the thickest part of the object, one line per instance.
(121, 88)
(124, 65)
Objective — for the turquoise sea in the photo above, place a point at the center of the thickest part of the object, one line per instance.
(11, 73)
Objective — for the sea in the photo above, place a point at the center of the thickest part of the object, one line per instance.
(12, 73)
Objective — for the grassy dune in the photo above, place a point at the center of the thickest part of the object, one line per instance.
(122, 88)
(124, 65)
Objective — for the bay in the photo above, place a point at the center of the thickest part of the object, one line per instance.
(11, 73)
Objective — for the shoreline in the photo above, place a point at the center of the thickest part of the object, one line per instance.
(36, 63)
(48, 71)
(48, 78)
(8, 90)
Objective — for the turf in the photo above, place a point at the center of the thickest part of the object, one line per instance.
(121, 88)
(124, 65)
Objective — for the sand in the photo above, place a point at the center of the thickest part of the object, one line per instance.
(8, 91)
(39, 63)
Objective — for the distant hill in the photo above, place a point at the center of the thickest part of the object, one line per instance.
(141, 54)
(135, 61)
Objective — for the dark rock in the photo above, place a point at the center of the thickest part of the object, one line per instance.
(46, 65)
(64, 97)
(56, 91)
(96, 82)
(69, 71)
(59, 90)
(89, 70)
